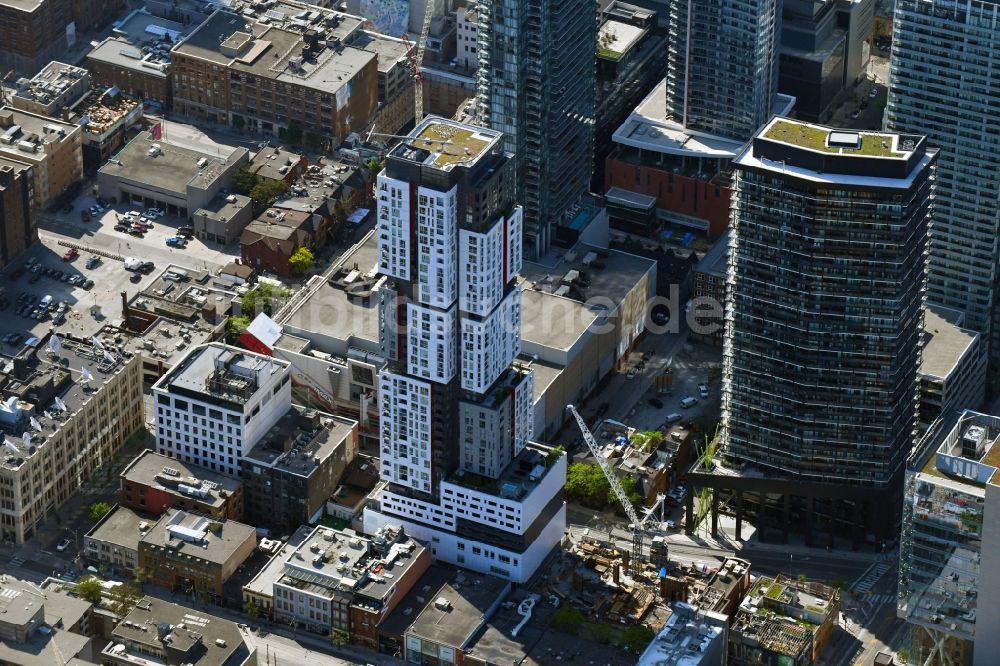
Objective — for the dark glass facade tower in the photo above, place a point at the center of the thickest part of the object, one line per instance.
(722, 65)
(824, 320)
(536, 85)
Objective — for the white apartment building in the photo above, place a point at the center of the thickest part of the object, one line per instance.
(217, 402)
(467, 36)
(456, 416)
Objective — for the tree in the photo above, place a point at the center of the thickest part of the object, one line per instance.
(89, 589)
(123, 598)
(293, 134)
(554, 455)
(636, 638)
(267, 191)
(251, 609)
(647, 441)
(236, 326)
(302, 260)
(567, 619)
(339, 637)
(98, 510)
(585, 483)
(244, 180)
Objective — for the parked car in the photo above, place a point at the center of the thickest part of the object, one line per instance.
(71, 254)
(59, 318)
(855, 114)
(63, 545)
(84, 216)
(873, 93)
(176, 241)
(187, 232)
(689, 401)
(135, 277)
(703, 390)
(655, 402)
(632, 372)
(673, 417)
(154, 212)
(13, 338)
(122, 227)
(102, 202)
(87, 284)
(93, 260)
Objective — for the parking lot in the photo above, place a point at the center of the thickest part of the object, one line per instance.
(57, 233)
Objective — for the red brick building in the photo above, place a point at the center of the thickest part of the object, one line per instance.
(268, 242)
(153, 483)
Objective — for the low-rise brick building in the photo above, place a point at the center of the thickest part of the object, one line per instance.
(154, 483)
(268, 242)
(194, 555)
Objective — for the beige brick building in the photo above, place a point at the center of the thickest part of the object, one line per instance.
(53, 149)
(85, 403)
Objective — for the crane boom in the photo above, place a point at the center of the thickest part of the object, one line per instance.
(418, 90)
(609, 473)
(636, 525)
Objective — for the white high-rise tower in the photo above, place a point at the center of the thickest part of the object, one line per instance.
(458, 466)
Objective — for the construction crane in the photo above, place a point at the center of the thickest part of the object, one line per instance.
(636, 525)
(416, 57)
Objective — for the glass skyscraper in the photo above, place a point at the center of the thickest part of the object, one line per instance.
(722, 65)
(536, 85)
(824, 307)
(945, 84)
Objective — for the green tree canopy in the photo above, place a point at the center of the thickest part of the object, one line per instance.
(585, 483)
(302, 260)
(123, 598)
(89, 589)
(236, 326)
(647, 441)
(244, 180)
(98, 510)
(267, 191)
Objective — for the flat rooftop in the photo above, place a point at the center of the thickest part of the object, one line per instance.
(269, 159)
(553, 322)
(196, 637)
(31, 123)
(51, 388)
(330, 312)
(199, 537)
(271, 573)
(224, 371)
(193, 297)
(685, 637)
(836, 141)
(524, 473)
(457, 610)
(121, 527)
(615, 38)
(444, 143)
(648, 128)
(138, 42)
(170, 167)
(221, 208)
(590, 272)
(275, 51)
(22, 5)
(158, 471)
(390, 50)
(301, 440)
(945, 345)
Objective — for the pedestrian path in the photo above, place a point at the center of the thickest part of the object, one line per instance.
(16, 561)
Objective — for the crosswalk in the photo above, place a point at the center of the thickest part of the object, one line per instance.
(16, 561)
(870, 578)
(878, 599)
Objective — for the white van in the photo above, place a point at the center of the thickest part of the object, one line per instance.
(689, 402)
(45, 302)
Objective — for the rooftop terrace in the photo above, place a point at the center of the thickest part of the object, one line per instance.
(446, 143)
(842, 142)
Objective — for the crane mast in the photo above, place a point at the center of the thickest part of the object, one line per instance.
(636, 525)
(415, 52)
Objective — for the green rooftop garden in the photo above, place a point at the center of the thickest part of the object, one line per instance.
(814, 138)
